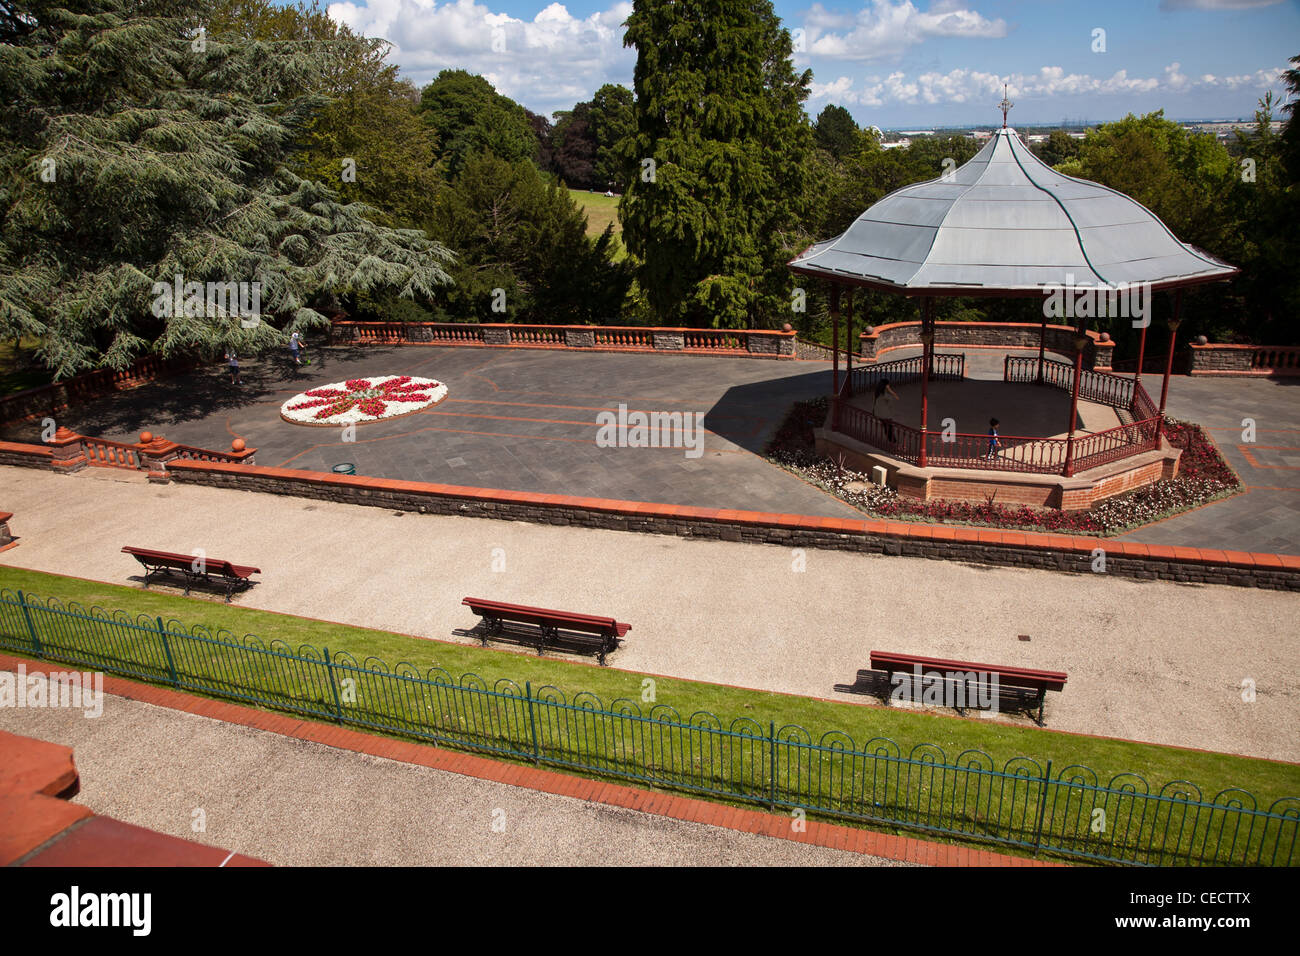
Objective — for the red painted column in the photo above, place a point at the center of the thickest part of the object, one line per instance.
(1042, 346)
(835, 339)
(848, 344)
(1142, 351)
(1080, 341)
(1174, 322)
(927, 345)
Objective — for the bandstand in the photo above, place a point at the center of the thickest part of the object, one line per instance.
(1006, 224)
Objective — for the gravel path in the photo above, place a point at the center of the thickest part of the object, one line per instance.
(1152, 661)
(295, 803)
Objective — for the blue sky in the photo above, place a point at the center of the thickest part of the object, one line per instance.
(891, 63)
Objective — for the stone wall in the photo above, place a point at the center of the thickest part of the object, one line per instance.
(1213, 359)
(751, 343)
(1020, 335)
(1051, 552)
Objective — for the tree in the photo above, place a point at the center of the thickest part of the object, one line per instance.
(136, 150)
(368, 142)
(717, 164)
(470, 117)
(835, 131)
(573, 146)
(1059, 148)
(527, 238)
(612, 121)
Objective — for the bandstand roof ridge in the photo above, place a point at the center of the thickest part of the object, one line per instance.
(1006, 223)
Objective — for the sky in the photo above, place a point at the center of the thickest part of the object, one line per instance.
(896, 64)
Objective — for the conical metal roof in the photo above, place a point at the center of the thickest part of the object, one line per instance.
(1007, 223)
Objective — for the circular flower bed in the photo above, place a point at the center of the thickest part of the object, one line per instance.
(360, 400)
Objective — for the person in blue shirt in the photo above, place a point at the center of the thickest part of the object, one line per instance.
(994, 443)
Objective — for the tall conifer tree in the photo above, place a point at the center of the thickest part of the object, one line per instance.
(716, 165)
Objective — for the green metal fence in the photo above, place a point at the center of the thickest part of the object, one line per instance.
(1022, 803)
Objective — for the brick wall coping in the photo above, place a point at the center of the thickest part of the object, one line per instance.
(1078, 545)
(19, 448)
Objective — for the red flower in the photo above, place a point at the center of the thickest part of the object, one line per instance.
(371, 399)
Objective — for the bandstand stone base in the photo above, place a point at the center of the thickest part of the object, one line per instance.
(1078, 493)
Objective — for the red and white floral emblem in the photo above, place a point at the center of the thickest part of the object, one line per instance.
(361, 400)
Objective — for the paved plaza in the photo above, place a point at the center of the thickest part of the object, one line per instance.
(525, 420)
(1148, 660)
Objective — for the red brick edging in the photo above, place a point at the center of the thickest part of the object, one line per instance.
(817, 833)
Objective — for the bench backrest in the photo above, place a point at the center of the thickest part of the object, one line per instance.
(588, 623)
(186, 562)
(1012, 676)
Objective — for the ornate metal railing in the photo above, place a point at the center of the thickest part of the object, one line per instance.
(1019, 453)
(947, 366)
(1100, 387)
(1021, 803)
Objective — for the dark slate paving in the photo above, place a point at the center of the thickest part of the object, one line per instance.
(1266, 517)
(526, 420)
(517, 419)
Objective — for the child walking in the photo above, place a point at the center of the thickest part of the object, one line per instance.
(994, 443)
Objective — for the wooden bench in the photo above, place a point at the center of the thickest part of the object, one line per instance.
(1023, 682)
(602, 633)
(194, 569)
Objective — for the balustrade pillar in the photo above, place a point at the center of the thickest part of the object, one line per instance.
(155, 453)
(69, 452)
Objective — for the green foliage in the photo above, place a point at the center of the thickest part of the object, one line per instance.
(470, 117)
(515, 232)
(573, 147)
(1241, 210)
(612, 121)
(137, 150)
(718, 111)
(1060, 147)
(835, 131)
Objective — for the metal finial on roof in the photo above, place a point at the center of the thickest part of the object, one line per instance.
(1005, 105)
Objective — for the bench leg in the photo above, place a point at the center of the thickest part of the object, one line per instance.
(548, 633)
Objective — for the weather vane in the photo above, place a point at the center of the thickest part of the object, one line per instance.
(1005, 105)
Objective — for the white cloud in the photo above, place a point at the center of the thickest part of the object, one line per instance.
(887, 28)
(549, 63)
(974, 86)
(1215, 4)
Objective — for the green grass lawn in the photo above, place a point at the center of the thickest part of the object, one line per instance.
(1267, 780)
(601, 211)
